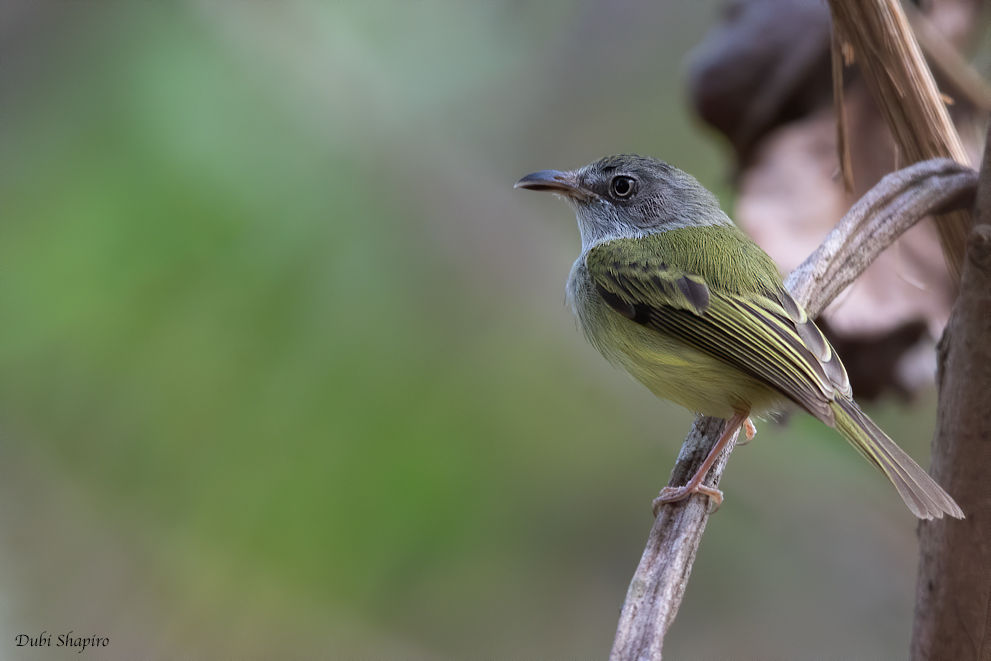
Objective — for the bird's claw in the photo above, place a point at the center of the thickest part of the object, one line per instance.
(749, 430)
(674, 494)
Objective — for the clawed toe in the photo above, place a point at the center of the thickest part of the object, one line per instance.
(749, 430)
(674, 494)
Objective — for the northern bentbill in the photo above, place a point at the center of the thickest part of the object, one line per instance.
(670, 289)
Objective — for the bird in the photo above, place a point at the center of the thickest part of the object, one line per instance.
(668, 288)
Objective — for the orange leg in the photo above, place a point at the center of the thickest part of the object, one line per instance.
(694, 485)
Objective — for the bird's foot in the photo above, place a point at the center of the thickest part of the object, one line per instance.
(674, 494)
(750, 430)
(694, 485)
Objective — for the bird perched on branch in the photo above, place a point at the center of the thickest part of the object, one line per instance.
(667, 287)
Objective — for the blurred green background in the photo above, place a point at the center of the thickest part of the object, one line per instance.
(286, 366)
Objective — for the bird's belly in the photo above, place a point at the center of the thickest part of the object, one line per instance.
(695, 380)
(674, 371)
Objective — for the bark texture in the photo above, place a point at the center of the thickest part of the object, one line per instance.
(953, 591)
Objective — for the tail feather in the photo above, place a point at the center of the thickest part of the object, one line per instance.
(924, 497)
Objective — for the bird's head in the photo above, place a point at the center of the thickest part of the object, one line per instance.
(628, 196)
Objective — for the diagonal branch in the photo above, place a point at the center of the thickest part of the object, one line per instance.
(883, 214)
(896, 203)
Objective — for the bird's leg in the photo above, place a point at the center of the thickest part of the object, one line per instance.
(750, 429)
(694, 485)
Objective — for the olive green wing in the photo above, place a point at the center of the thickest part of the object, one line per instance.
(762, 332)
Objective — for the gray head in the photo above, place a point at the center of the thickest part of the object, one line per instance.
(628, 196)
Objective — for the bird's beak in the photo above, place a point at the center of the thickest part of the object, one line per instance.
(555, 181)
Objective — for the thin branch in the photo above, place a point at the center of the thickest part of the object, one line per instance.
(842, 134)
(895, 204)
(948, 60)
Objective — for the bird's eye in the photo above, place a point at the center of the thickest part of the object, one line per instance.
(623, 187)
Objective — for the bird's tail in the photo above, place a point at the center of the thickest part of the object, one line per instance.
(924, 497)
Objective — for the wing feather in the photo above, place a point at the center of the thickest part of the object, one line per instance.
(765, 334)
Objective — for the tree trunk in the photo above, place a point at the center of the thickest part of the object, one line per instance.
(953, 591)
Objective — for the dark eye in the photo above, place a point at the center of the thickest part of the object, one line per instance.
(623, 186)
